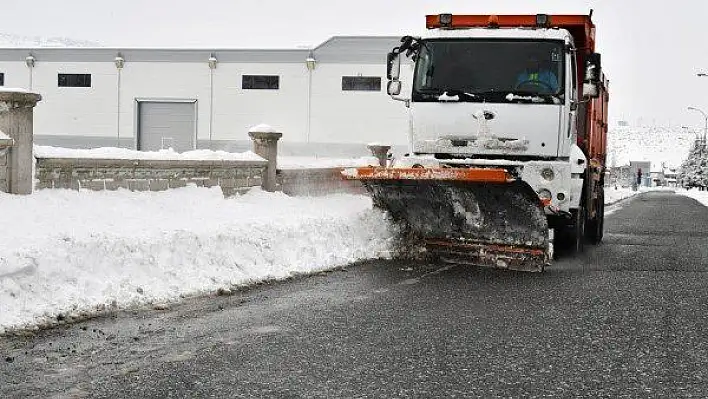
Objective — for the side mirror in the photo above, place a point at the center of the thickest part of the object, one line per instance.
(394, 87)
(393, 66)
(593, 76)
(593, 67)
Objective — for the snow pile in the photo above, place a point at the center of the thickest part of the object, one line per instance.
(70, 254)
(284, 162)
(124, 153)
(657, 144)
(613, 195)
(262, 128)
(291, 162)
(700, 196)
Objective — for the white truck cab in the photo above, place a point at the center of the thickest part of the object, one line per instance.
(496, 98)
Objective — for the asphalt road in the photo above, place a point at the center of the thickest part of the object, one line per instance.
(625, 319)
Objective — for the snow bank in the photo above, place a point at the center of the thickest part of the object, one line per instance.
(291, 162)
(613, 195)
(284, 162)
(67, 253)
(700, 196)
(41, 151)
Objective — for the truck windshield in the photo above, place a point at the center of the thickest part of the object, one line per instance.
(490, 71)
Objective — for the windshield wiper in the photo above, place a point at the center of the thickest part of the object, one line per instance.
(450, 95)
(531, 96)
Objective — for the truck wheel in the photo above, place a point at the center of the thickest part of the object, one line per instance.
(596, 226)
(570, 238)
(578, 232)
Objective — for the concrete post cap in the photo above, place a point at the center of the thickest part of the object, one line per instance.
(265, 135)
(19, 96)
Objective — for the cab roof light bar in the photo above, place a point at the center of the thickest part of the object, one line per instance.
(461, 21)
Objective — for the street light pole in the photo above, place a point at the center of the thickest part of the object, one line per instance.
(703, 75)
(705, 118)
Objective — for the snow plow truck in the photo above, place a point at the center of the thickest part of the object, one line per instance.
(507, 136)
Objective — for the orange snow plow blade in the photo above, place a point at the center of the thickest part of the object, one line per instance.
(457, 174)
(464, 215)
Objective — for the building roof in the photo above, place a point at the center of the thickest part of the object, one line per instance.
(338, 49)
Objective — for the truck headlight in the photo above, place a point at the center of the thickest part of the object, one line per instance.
(545, 194)
(548, 174)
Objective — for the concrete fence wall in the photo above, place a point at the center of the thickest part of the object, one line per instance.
(314, 182)
(21, 172)
(152, 175)
(148, 175)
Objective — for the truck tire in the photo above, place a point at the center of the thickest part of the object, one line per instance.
(595, 227)
(578, 230)
(570, 238)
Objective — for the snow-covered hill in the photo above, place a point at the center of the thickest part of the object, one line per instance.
(8, 40)
(649, 143)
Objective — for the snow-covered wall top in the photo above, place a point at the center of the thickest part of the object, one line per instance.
(123, 153)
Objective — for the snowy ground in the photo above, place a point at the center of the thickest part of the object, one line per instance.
(613, 195)
(69, 254)
(72, 254)
(700, 196)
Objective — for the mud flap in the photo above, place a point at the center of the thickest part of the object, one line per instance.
(496, 224)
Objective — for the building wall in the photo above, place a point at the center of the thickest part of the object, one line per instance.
(236, 109)
(84, 111)
(309, 106)
(354, 116)
(16, 73)
(148, 175)
(162, 80)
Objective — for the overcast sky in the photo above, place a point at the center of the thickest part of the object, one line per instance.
(651, 49)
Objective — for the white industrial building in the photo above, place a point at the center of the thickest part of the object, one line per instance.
(200, 98)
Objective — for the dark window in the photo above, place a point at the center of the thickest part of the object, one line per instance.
(74, 80)
(262, 82)
(2, 79)
(361, 83)
(491, 70)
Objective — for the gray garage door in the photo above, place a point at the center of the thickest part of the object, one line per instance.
(166, 125)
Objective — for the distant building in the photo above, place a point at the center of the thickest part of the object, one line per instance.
(640, 173)
(622, 123)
